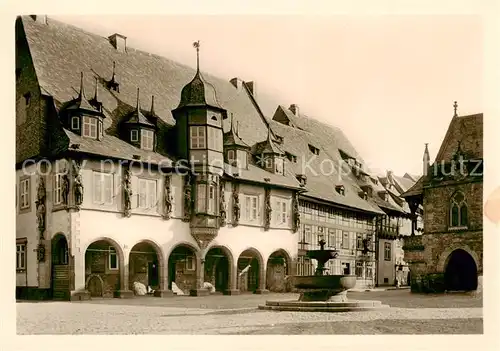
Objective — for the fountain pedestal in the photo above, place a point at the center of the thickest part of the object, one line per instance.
(323, 293)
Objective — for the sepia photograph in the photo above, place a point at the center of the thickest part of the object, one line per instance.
(249, 174)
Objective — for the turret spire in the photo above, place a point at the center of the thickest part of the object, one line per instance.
(426, 160)
(137, 106)
(95, 90)
(455, 106)
(153, 105)
(81, 94)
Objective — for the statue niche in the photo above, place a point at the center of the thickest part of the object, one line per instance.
(268, 210)
(188, 200)
(78, 185)
(296, 213)
(222, 204)
(167, 199)
(40, 206)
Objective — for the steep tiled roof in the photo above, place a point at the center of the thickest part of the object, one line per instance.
(255, 174)
(466, 130)
(416, 189)
(61, 51)
(321, 177)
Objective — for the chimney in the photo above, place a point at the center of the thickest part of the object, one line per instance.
(119, 42)
(237, 82)
(40, 18)
(251, 87)
(295, 109)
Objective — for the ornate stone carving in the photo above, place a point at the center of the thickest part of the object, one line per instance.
(188, 200)
(41, 252)
(167, 199)
(236, 205)
(203, 236)
(127, 193)
(77, 184)
(296, 212)
(268, 210)
(222, 204)
(41, 196)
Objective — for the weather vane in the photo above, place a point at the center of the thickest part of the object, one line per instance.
(196, 45)
(455, 105)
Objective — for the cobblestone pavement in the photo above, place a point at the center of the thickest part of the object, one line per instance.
(238, 315)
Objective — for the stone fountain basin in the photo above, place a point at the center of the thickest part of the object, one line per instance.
(325, 282)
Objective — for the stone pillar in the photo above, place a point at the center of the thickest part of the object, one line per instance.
(200, 276)
(79, 291)
(124, 291)
(163, 291)
(233, 280)
(262, 279)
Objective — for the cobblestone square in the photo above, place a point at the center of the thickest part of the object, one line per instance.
(409, 314)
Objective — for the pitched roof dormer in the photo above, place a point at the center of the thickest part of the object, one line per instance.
(138, 129)
(269, 155)
(236, 151)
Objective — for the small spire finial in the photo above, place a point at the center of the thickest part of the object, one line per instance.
(114, 64)
(81, 84)
(237, 128)
(196, 45)
(137, 99)
(95, 91)
(455, 105)
(232, 127)
(153, 105)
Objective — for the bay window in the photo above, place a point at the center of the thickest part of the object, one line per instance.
(206, 198)
(197, 137)
(214, 138)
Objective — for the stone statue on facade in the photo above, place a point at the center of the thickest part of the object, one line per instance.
(296, 213)
(127, 193)
(188, 201)
(268, 210)
(41, 195)
(236, 205)
(167, 199)
(222, 204)
(78, 189)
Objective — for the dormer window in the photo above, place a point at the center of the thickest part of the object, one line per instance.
(75, 123)
(134, 135)
(313, 149)
(268, 162)
(231, 157)
(340, 189)
(291, 158)
(90, 127)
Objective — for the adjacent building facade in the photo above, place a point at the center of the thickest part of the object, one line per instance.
(131, 168)
(448, 255)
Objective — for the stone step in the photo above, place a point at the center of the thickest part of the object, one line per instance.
(349, 303)
(321, 309)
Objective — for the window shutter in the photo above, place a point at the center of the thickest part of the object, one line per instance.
(97, 187)
(152, 193)
(108, 188)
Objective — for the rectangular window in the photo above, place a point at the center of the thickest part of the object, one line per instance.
(20, 256)
(103, 188)
(214, 139)
(268, 162)
(147, 193)
(345, 240)
(242, 159)
(134, 135)
(278, 162)
(359, 241)
(147, 139)
(24, 195)
(251, 207)
(75, 123)
(281, 214)
(197, 137)
(331, 237)
(112, 258)
(230, 157)
(211, 199)
(90, 127)
(190, 263)
(387, 251)
(359, 269)
(308, 234)
(201, 198)
(58, 189)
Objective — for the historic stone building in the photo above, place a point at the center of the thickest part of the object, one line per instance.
(449, 253)
(132, 168)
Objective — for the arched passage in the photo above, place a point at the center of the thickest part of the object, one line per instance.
(219, 265)
(61, 282)
(461, 271)
(250, 271)
(146, 266)
(182, 265)
(279, 266)
(104, 263)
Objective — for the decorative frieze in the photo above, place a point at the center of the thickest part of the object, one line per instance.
(222, 203)
(267, 209)
(236, 205)
(167, 198)
(127, 193)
